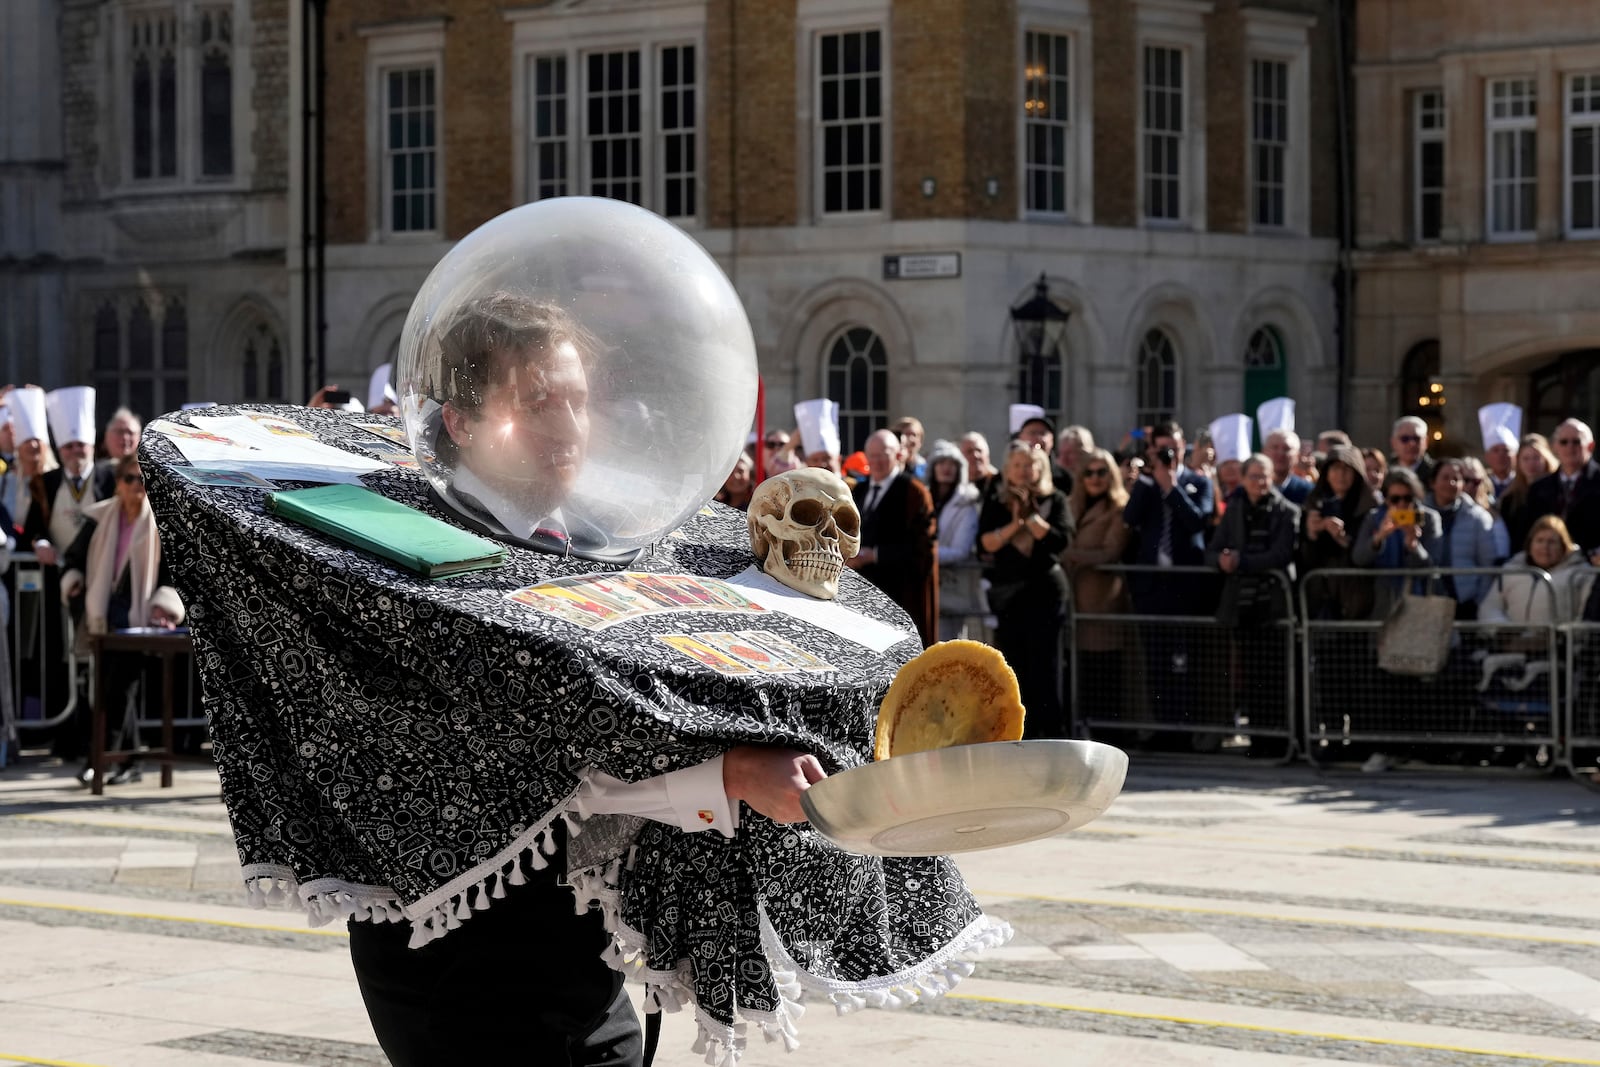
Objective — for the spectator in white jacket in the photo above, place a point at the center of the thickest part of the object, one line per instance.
(955, 505)
(1519, 597)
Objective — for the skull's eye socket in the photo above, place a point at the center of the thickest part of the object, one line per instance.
(848, 520)
(806, 512)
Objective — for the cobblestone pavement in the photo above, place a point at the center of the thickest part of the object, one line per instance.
(1220, 913)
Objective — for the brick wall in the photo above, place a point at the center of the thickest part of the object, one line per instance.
(1227, 138)
(475, 97)
(1116, 114)
(990, 108)
(750, 108)
(927, 50)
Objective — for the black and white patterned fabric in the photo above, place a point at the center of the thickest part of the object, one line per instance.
(396, 749)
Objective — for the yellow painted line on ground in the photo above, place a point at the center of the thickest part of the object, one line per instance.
(338, 932)
(1355, 852)
(1270, 917)
(15, 1057)
(1218, 1024)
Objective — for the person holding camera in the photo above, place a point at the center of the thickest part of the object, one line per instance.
(1022, 529)
(1168, 512)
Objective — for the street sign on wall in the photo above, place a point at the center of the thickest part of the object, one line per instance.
(918, 265)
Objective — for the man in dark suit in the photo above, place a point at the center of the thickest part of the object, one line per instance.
(1282, 447)
(1409, 442)
(1168, 511)
(1573, 491)
(897, 535)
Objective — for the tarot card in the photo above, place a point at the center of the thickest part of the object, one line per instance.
(757, 657)
(217, 476)
(702, 653)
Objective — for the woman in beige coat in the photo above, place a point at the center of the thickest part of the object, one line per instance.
(1098, 498)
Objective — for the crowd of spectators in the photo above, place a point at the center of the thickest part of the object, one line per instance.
(1247, 530)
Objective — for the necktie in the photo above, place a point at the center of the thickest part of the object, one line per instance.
(1164, 546)
(1566, 493)
(872, 498)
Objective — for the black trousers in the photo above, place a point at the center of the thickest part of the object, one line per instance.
(1029, 637)
(519, 984)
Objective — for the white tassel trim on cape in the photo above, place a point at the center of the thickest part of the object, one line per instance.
(723, 1045)
(325, 900)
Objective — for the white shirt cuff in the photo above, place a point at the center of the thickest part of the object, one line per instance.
(692, 799)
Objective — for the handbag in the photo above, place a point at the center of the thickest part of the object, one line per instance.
(1415, 638)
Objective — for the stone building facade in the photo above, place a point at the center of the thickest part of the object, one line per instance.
(883, 181)
(1478, 214)
(147, 157)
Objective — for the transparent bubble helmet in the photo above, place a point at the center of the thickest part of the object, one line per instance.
(578, 375)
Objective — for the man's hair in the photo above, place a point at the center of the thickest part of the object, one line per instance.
(905, 422)
(1257, 459)
(124, 413)
(478, 345)
(1414, 423)
(1289, 437)
(1585, 434)
(975, 436)
(1337, 437)
(1166, 428)
(1403, 476)
(1083, 436)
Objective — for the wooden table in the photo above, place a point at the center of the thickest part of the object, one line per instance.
(167, 646)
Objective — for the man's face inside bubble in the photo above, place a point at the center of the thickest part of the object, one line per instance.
(529, 436)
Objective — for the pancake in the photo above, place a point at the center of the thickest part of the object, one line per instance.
(955, 693)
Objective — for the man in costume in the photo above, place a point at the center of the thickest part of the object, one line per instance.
(516, 423)
(897, 535)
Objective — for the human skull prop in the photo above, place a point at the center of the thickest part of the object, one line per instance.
(804, 525)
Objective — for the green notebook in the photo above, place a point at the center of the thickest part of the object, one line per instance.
(358, 516)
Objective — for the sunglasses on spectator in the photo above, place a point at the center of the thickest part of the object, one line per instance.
(1569, 440)
(133, 479)
(1408, 438)
(1097, 472)
(1402, 499)
(774, 443)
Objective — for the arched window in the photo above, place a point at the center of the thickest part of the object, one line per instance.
(141, 354)
(1266, 371)
(1039, 379)
(858, 380)
(1421, 392)
(1158, 379)
(262, 361)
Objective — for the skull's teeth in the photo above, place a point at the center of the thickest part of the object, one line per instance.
(817, 565)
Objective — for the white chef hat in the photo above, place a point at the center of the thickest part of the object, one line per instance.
(71, 414)
(1501, 425)
(28, 414)
(1230, 436)
(818, 421)
(1021, 414)
(379, 390)
(1275, 414)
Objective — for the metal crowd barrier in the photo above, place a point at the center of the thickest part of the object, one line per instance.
(964, 602)
(1498, 690)
(1186, 673)
(1582, 690)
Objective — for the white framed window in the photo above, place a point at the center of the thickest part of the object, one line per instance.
(173, 68)
(1163, 133)
(1582, 157)
(405, 135)
(614, 114)
(849, 123)
(1511, 115)
(1047, 126)
(1158, 378)
(410, 155)
(858, 381)
(1269, 143)
(1427, 165)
